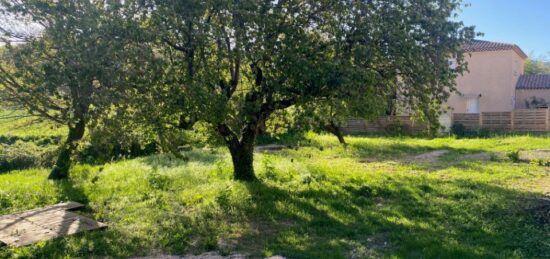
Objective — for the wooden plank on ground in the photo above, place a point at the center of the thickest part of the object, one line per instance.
(58, 207)
(31, 226)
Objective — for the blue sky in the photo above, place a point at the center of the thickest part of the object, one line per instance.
(523, 22)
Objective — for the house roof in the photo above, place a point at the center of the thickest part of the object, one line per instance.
(481, 46)
(533, 82)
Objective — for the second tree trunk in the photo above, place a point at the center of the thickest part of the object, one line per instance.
(63, 162)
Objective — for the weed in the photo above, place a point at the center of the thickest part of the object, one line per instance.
(514, 156)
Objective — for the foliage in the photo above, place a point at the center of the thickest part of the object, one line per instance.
(536, 103)
(308, 203)
(234, 64)
(75, 68)
(395, 128)
(26, 142)
(536, 66)
(107, 144)
(458, 130)
(23, 155)
(514, 156)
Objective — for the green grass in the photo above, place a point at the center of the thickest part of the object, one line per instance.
(318, 201)
(18, 124)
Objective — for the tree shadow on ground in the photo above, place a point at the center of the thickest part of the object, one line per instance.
(401, 221)
(393, 151)
(170, 161)
(70, 191)
(87, 244)
(401, 217)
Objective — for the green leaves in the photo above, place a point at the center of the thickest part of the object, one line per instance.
(232, 64)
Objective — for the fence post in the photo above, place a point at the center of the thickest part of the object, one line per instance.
(480, 120)
(512, 118)
(546, 121)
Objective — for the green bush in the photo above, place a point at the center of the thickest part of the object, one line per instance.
(98, 152)
(514, 156)
(22, 155)
(112, 140)
(37, 140)
(458, 130)
(394, 129)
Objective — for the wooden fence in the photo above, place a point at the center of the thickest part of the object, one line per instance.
(383, 124)
(517, 120)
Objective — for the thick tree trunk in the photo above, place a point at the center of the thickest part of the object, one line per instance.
(243, 161)
(242, 151)
(63, 163)
(337, 131)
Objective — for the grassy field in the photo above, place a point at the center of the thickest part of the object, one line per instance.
(17, 124)
(316, 201)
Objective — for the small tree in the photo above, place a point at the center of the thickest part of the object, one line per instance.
(536, 66)
(73, 69)
(234, 63)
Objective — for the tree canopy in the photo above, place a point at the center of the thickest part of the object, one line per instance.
(74, 69)
(233, 64)
(230, 65)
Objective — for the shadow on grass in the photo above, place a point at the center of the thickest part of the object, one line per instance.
(69, 191)
(410, 219)
(170, 161)
(406, 153)
(88, 244)
(324, 218)
(400, 217)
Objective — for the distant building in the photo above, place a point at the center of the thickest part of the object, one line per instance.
(489, 85)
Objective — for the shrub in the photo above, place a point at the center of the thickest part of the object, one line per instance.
(540, 162)
(458, 130)
(22, 155)
(394, 128)
(110, 142)
(483, 133)
(514, 156)
(37, 140)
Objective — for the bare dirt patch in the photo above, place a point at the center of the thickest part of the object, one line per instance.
(541, 154)
(429, 157)
(483, 156)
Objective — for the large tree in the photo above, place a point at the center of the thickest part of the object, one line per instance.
(234, 63)
(74, 68)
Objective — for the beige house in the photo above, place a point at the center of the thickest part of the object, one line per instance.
(491, 82)
(495, 82)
